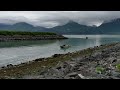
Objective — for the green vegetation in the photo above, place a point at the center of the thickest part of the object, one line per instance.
(100, 70)
(118, 66)
(11, 33)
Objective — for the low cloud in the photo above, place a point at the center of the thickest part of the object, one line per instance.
(54, 18)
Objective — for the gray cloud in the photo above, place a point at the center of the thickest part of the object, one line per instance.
(55, 18)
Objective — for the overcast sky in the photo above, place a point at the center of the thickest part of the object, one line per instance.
(55, 18)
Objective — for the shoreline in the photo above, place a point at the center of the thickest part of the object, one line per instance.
(36, 66)
(4, 38)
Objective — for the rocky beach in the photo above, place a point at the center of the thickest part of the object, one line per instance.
(99, 62)
(18, 35)
(28, 37)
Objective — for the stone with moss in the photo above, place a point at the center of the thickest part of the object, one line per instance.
(100, 70)
(118, 66)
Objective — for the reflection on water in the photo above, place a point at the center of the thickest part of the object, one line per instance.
(25, 43)
(16, 52)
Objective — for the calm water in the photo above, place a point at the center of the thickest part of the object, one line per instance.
(16, 52)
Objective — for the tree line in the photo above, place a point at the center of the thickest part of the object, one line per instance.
(11, 33)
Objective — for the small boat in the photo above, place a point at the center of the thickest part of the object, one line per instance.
(86, 37)
(65, 46)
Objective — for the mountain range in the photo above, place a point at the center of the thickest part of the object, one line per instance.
(111, 27)
(21, 26)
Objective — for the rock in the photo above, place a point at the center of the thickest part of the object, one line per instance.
(9, 65)
(36, 60)
(22, 64)
(33, 77)
(59, 67)
(56, 71)
(115, 74)
(43, 66)
(101, 62)
(73, 74)
(56, 55)
(105, 55)
(3, 67)
(118, 57)
(83, 67)
(111, 67)
(63, 68)
(50, 77)
(115, 60)
(72, 64)
(67, 77)
(112, 77)
(81, 76)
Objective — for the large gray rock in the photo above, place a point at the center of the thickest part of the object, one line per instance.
(9, 65)
(115, 74)
(71, 75)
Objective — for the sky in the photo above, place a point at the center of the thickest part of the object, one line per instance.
(51, 19)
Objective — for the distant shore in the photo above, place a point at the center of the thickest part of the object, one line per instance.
(27, 37)
(95, 62)
(16, 36)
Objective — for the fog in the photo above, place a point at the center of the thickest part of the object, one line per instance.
(54, 18)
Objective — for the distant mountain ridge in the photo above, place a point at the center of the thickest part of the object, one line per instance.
(21, 26)
(111, 27)
(72, 28)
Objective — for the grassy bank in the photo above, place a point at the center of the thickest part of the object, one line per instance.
(11, 33)
(36, 66)
(13, 36)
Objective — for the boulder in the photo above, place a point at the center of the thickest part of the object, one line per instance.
(113, 61)
(57, 55)
(3, 67)
(37, 60)
(73, 74)
(81, 76)
(59, 67)
(9, 65)
(115, 74)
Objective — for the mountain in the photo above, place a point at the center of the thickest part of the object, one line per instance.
(21, 26)
(69, 28)
(111, 27)
(4, 26)
(74, 28)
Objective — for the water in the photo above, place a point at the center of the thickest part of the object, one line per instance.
(16, 52)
